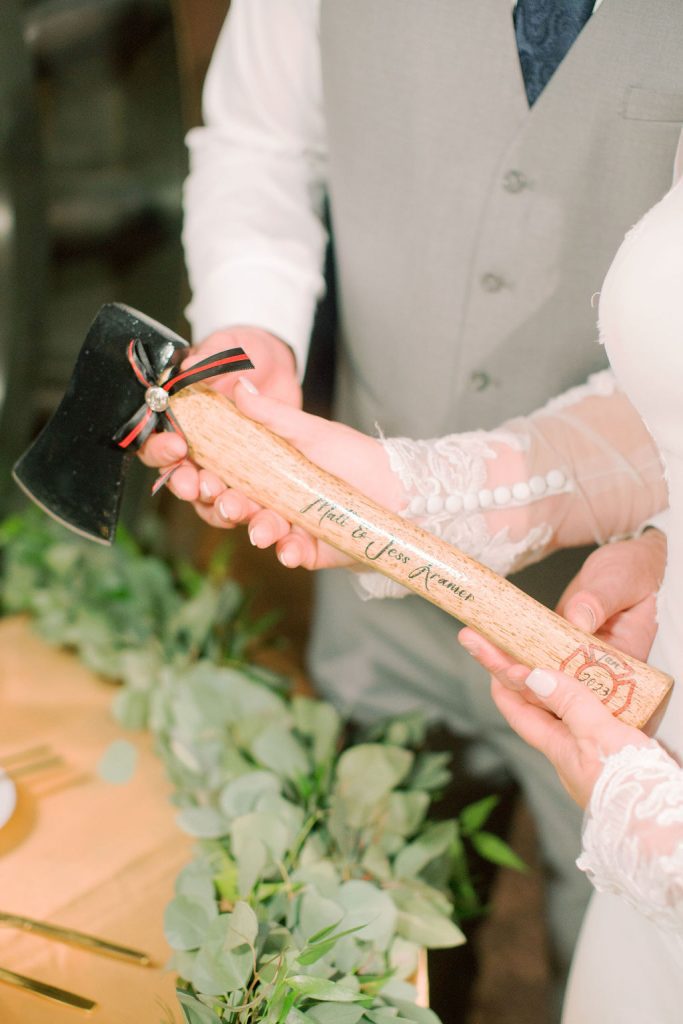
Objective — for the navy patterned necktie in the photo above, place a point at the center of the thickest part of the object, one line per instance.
(545, 30)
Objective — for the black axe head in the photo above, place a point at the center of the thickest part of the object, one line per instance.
(75, 470)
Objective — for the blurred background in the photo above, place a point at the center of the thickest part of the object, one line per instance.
(95, 100)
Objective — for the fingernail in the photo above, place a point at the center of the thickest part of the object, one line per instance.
(286, 559)
(206, 492)
(542, 683)
(584, 618)
(258, 537)
(225, 511)
(249, 385)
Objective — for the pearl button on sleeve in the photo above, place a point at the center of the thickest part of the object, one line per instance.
(561, 477)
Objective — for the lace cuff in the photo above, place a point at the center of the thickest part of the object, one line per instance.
(583, 469)
(633, 833)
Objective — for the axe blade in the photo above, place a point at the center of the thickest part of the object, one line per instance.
(74, 470)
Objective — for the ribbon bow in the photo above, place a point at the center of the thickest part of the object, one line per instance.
(155, 412)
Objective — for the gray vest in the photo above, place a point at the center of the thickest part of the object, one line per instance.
(471, 232)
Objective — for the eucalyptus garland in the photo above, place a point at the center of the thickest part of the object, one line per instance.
(318, 876)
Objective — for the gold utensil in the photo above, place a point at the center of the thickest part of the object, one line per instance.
(49, 771)
(32, 767)
(17, 759)
(40, 988)
(76, 938)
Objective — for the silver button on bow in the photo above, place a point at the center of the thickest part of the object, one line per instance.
(157, 399)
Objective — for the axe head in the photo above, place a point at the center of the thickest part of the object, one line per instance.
(74, 470)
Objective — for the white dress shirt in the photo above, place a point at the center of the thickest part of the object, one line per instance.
(253, 234)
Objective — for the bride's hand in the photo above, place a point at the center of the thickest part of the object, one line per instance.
(350, 455)
(555, 714)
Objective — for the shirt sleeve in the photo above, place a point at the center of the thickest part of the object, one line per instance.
(583, 469)
(253, 232)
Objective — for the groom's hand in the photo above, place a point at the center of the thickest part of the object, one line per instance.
(614, 593)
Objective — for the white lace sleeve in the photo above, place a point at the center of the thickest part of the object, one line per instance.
(583, 469)
(633, 833)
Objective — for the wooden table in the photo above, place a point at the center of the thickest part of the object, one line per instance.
(79, 851)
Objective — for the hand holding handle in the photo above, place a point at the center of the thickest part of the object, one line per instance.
(248, 456)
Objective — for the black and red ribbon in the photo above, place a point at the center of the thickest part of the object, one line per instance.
(135, 431)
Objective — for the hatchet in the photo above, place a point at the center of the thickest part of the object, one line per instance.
(128, 381)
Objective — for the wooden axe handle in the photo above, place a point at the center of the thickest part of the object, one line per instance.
(249, 457)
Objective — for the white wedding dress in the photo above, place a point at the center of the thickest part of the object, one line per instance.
(628, 965)
(585, 468)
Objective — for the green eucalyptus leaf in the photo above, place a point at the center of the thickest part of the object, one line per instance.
(420, 923)
(253, 862)
(431, 771)
(368, 772)
(432, 843)
(182, 962)
(187, 919)
(319, 721)
(276, 748)
(193, 1011)
(369, 909)
(312, 954)
(321, 874)
(386, 1015)
(131, 708)
(395, 990)
(295, 1016)
(318, 916)
(406, 811)
(186, 754)
(195, 880)
(404, 957)
(193, 618)
(286, 812)
(203, 822)
(322, 989)
(328, 1013)
(225, 960)
(376, 863)
(117, 764)
(273, 833)
(474, 816)
(226, 879)
(242, 794)
(495, 849)
(350, 954)
(418, 1014)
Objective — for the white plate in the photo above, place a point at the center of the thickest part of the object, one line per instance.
(8, 798)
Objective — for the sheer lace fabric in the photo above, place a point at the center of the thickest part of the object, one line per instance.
(583, 469)
(633, 834)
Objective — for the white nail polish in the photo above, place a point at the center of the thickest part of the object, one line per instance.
(249, 385)
(224, 512)
(541, 683)
(284, 559)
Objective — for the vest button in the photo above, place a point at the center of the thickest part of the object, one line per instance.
(480, 380)
(514, 181)
(491, 282)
